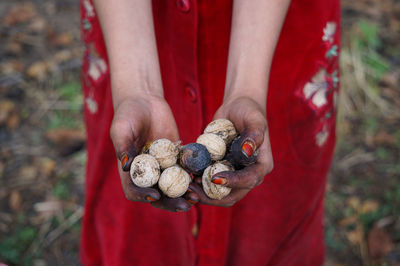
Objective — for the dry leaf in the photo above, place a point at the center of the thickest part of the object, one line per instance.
(63, 56)
(355, 237)
(49, 208)
(13, 121)
(38, 70)
(19, 13)
(353, 202)
(15, 200)
(46, 166)
(369, 206)
(13, 48)
(349, 220)
(59, 40)
(38, 25)
(28, 173)
(11, 67)
(380, 243)
(383, 137)
(6, 109)
(67, 141)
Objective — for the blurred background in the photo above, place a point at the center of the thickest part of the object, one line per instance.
(42, 137)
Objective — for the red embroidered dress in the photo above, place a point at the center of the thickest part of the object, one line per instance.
(277, 223)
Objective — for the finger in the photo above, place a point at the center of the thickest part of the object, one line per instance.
(172, 205)
(228, 201)
(192, 198)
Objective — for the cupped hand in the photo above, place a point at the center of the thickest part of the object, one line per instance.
(249, 119)
(137, 121)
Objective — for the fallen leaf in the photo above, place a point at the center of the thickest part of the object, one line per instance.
(6, 109)
(49, 208)
(62, 56)
(349, 220)
(355, 236)
(13, 48)
(382, 138)
(19, 13)
(38, 25)
(28, 173)
(60, 40)
(46, 166)
(15, 200)
(380, 243)
(11, 67)
(353, 202)
(38, 70)
(369, 206)
(67, 141)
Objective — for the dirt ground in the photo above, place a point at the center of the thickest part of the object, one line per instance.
(42, 137)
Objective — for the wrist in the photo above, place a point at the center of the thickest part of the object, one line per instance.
(134, 83)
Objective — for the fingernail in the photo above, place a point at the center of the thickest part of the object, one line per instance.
(150, 198)
(218, 180)
(248, 148)
(192, 202)
(124, 160)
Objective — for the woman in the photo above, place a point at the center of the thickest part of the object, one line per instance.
(165, 69)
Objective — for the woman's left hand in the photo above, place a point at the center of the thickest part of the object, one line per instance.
(250, 121)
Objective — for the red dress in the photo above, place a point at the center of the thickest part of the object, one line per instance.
(279, 222)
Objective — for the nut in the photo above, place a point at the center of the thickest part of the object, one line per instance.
(165, 151)
(145, 170)
(215, 145)
(223, 128)
(174, 181)
(194, 158)
(212, 190)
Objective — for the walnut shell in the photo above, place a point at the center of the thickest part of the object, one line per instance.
(165, 151)
(145, 170)
(212, 190)
(194, 158)
(223, 128)
(215, 145)
(174, 181)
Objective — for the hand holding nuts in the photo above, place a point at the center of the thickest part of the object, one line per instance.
(195, 158)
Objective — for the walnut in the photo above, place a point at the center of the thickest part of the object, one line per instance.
(223, 128)
(215, 145)
(194, 158)
(165, 151)
(212, 190)
(174, 181)
(145, 170)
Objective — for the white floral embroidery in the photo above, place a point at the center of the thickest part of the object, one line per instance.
(322, 136)
(329, 31)
(91, 104)
(97, 67)
(317, 89)
(89, 8)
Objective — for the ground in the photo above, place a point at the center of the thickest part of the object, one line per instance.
(42, 136)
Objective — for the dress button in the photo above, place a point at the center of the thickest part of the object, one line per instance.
(183, 5)
(192, 93)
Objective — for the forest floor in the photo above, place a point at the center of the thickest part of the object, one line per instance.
(42, 136)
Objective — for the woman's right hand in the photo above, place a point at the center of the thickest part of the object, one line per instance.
(138, 120)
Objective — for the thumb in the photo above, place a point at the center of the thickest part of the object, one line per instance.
(123, 139)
